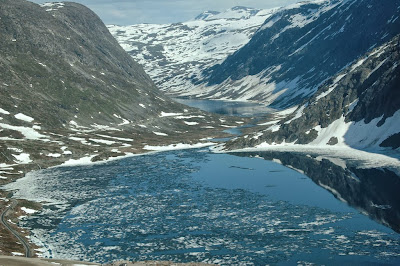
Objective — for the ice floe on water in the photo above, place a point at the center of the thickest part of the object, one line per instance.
(159, 207)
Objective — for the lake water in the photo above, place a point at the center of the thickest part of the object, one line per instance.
(233, 108)
(195, 205)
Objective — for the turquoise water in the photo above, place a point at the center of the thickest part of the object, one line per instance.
(194, 205)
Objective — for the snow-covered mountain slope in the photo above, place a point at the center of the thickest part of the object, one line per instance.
(299, 47)
(359, 107)
(174, 55)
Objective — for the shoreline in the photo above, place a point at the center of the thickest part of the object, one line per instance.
(366, 158)
(69, 147)
(22, 232)
(344, 153)
(84, 161)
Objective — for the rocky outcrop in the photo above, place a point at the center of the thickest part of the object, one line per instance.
(59, 63)
(358, 107)
(300, 47)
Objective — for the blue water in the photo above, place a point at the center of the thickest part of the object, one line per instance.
(228, 107)
(197, 206)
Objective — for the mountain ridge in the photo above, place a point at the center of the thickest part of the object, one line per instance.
(175, 54)
(300, 47)
(285, 57)
(359, 108)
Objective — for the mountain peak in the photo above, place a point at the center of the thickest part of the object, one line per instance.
(242, 8)
(206, 14)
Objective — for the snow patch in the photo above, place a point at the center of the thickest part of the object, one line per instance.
(299, 113)
(82, 161)
(23, 117)
(2, 111)
(29, 133)
(160, 133)
(54, 155)
(17, 254)
(179, 146)
(23, 158)
(103, 141)
(163, 114)
(28, 211)
(190, 123)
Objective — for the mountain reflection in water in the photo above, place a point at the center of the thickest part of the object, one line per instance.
(374, 192)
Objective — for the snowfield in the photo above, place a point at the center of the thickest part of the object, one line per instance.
(170, 53)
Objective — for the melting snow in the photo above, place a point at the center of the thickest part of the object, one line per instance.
(54, 155)
(17, 254)
(179, 146)
(23, 158)
(299, 113)
(274, 128)
(52, 6)
(358, 134)
(23, 117)
(29, 211)
(163, 114)
(82, 161)
(160, 134)
(190, 123)
(111, 137)
(189, 116)
(2, 111)
(29, 133)
(331, 87)
(103, 141)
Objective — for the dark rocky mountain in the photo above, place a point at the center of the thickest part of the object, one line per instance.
(68, 90)
(300, 47)
(359, 107)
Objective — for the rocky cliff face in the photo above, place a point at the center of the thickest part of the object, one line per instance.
(60, 64)
(300, 47)
(175, 55)
(359, 107)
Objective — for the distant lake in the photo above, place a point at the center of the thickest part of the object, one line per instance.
(233, 108)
